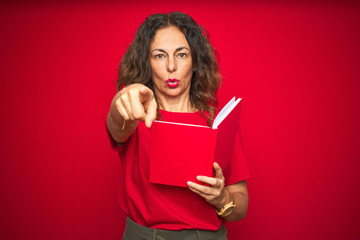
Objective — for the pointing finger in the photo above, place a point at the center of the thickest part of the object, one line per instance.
(151, 112)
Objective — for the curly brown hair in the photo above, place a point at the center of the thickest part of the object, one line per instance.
(206, 78)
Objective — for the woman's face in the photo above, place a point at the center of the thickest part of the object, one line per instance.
(171, 63)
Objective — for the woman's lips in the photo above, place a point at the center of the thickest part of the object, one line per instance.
(172, 82)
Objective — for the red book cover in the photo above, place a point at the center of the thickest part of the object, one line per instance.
(175, 164)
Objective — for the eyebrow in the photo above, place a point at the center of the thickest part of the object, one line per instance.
(162, 50)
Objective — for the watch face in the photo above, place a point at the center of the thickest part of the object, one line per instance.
(228, 210)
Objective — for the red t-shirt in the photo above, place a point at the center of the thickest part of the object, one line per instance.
(161, 206)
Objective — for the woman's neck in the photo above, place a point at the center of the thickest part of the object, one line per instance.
(178, 104)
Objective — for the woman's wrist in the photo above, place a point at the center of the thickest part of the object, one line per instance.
(225, 199)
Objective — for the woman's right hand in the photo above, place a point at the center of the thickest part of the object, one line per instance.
(137, 102)
(133, 103)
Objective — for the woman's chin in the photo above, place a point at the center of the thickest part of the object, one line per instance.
(173, 92)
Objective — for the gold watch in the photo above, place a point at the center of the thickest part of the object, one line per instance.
(228, 208)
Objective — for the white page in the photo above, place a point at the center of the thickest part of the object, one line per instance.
(219, 116)
(186, 124)
(225, 111)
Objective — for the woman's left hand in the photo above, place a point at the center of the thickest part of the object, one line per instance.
(215, 194)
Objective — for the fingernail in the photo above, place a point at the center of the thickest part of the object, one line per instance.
(198, 178)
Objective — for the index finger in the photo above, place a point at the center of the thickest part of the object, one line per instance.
(151, 112)
(209, 180)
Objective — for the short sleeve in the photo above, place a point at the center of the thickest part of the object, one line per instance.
(237, 170)
(119, 147)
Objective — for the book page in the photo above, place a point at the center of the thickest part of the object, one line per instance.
(225, 111)
(216, 121)
(184, 124)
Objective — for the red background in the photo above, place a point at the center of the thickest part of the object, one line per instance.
(297, 65)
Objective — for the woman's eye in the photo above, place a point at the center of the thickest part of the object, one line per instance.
(182, 55)
(159, 56)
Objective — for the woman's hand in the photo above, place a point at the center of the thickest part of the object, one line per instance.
(136, 102)
(215, 194)
(218, 195)
(133, 103)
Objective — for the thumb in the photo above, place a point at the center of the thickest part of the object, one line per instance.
(218, 171)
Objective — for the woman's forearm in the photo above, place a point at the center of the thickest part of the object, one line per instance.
(241, 200)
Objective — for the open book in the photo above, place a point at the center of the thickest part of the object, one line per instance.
(197, 147)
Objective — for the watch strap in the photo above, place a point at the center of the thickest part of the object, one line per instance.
(231, 205)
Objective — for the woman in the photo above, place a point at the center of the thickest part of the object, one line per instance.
(169, 72)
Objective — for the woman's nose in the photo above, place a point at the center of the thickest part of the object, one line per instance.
(171, 64)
